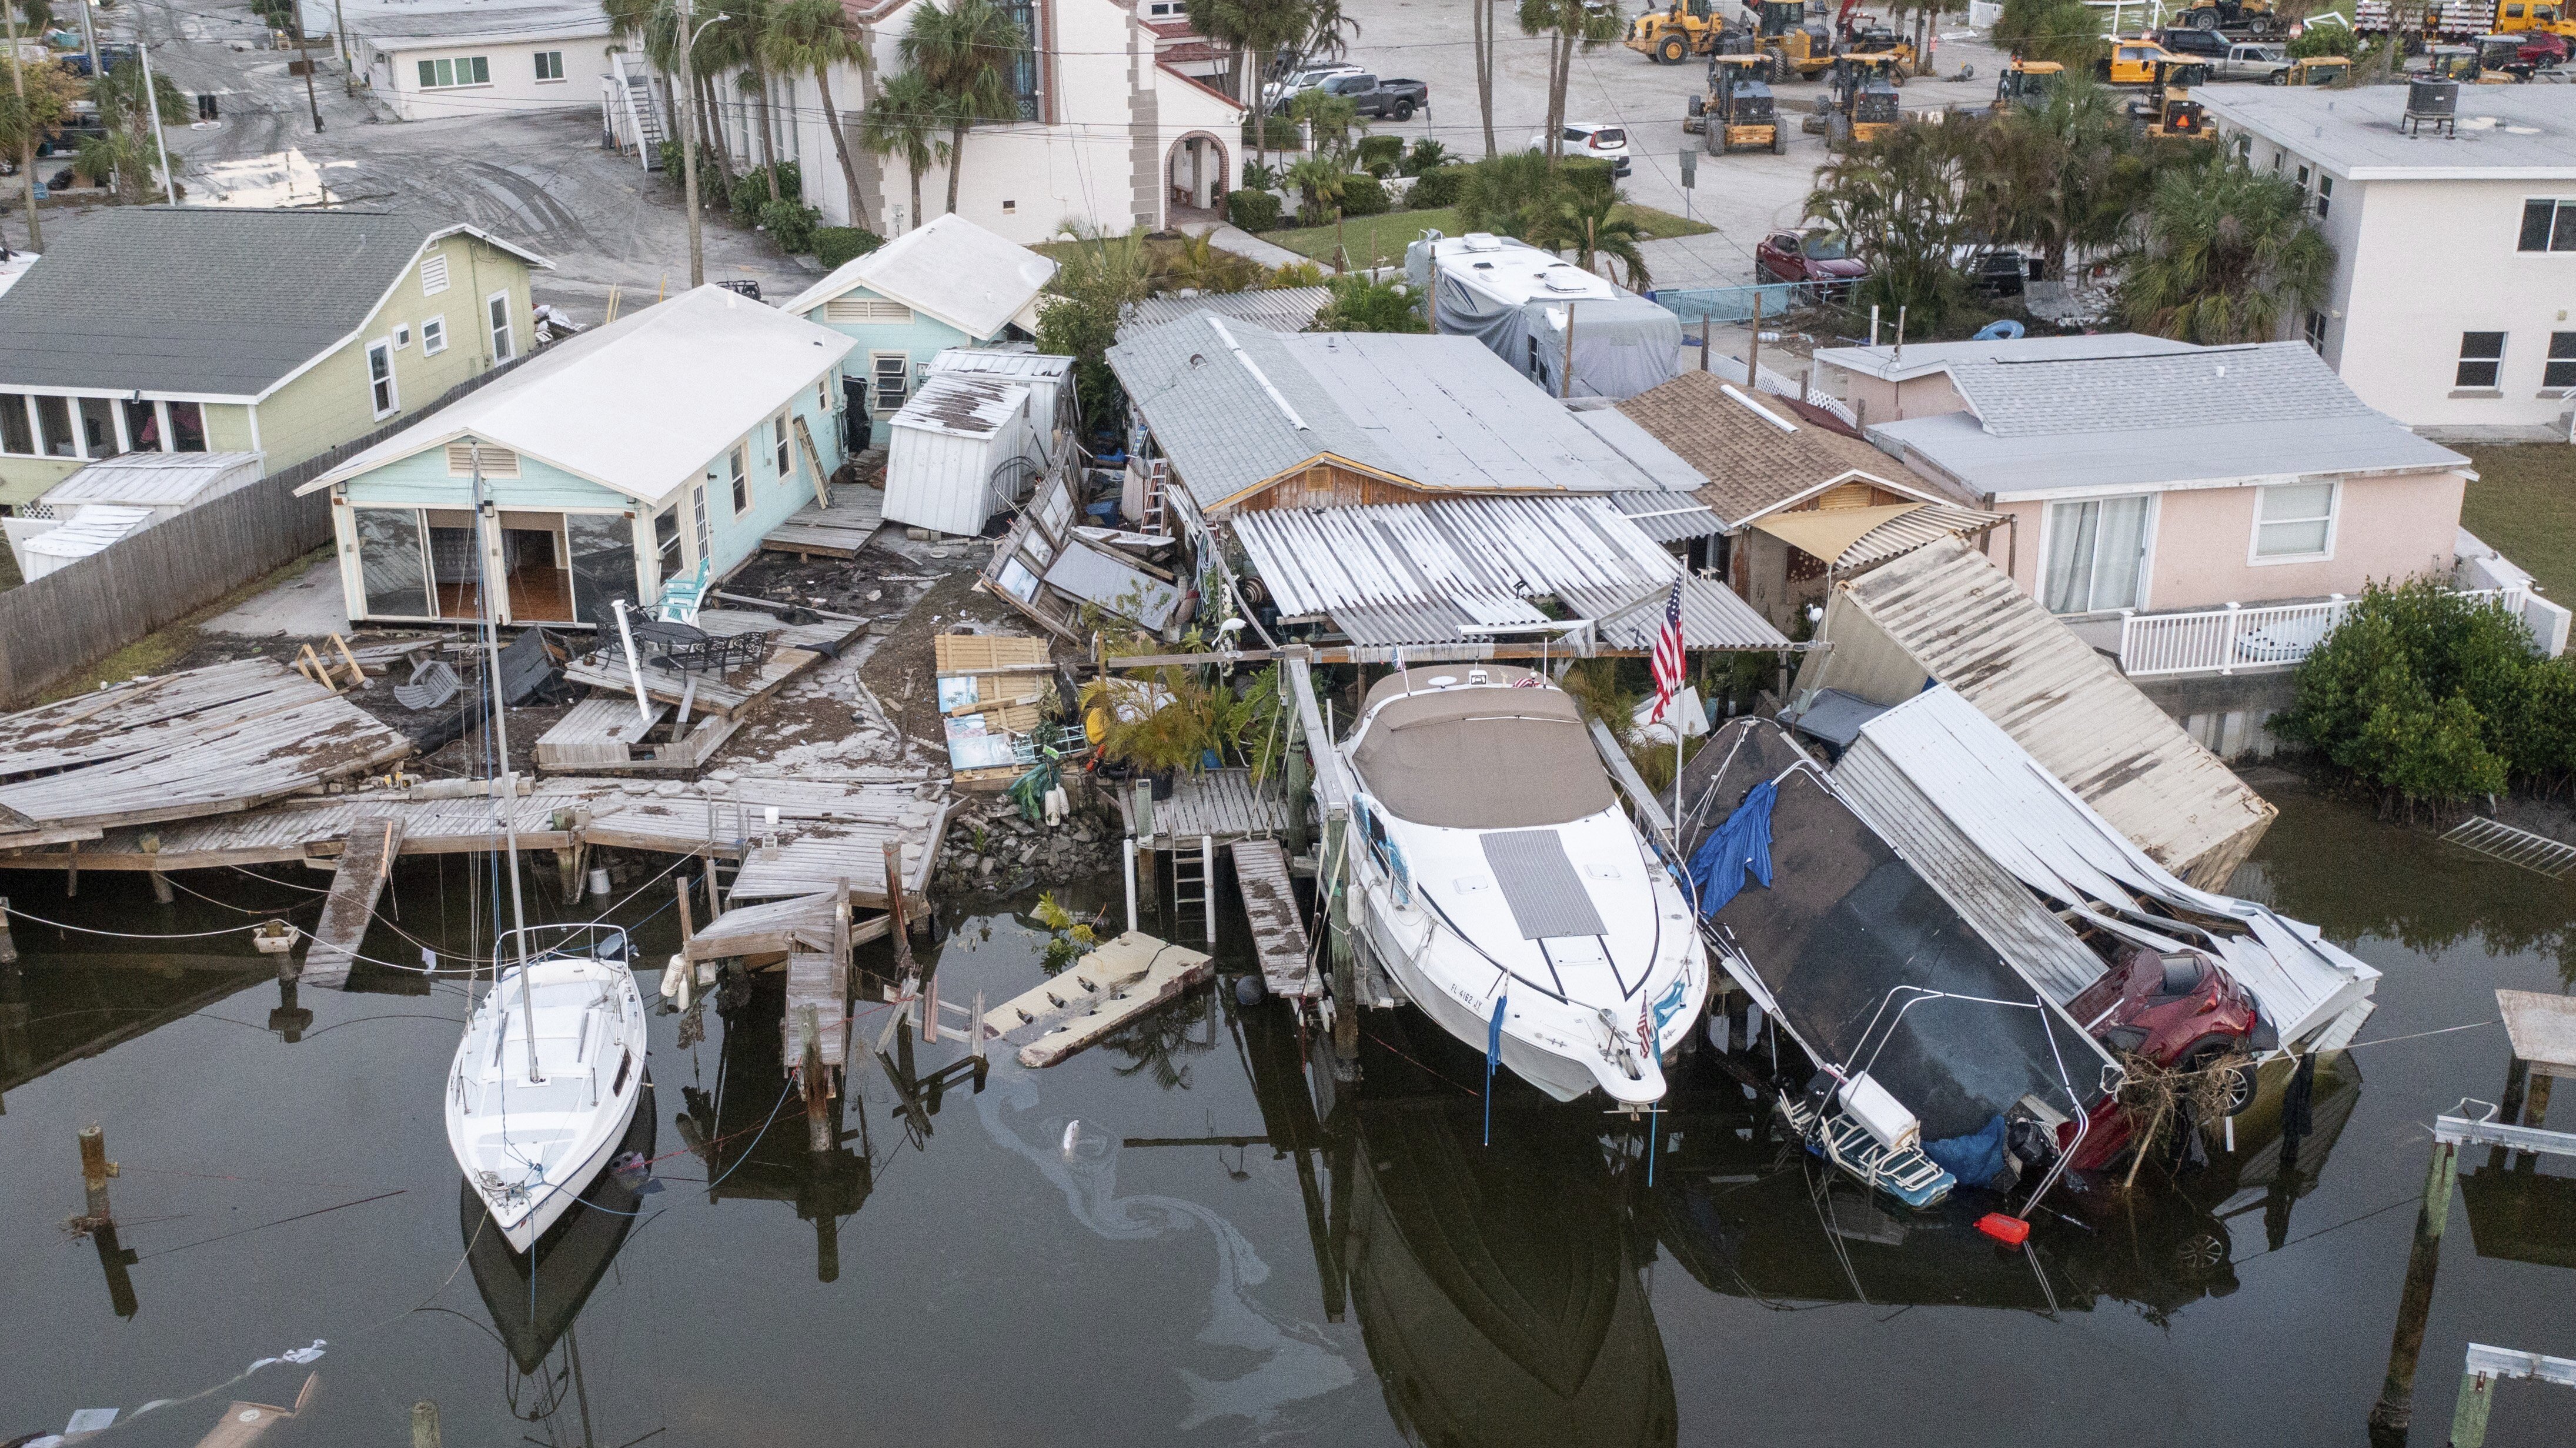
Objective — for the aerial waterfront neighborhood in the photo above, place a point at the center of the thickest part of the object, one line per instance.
(1208, 721)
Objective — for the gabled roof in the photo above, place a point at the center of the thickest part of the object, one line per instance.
(2056, 396)
(639, 405)
(208, 301)
(1234, 407)
(1280, 309)
(949, 269)
(1755, 452)
(1892, 363)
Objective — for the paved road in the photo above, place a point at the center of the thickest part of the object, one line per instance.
(540, 179)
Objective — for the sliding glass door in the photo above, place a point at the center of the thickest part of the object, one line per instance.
(2097, 552)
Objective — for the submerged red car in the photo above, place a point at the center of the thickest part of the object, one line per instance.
(2179, 1010)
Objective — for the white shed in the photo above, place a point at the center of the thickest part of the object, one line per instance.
(1054, 410)
(960, 451)
(93, 529)
(165, 483)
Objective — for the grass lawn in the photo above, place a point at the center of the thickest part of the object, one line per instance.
(154, 652)
(2524, 506)
(1380, 240)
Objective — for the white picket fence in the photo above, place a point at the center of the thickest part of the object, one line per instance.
(2223, 640)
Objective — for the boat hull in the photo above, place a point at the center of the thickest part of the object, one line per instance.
(555, 1153)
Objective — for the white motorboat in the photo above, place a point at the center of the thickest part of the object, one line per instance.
(1490, 863)
(547, 1079)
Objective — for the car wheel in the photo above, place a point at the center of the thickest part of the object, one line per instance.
(2202, 1253)
(1404, 110)
(1670, 52)
(1779, 142)
(2278, 77)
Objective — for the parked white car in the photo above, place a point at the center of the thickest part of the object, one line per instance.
(2269, 64)
(1600, 140)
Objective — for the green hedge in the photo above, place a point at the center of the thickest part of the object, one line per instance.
(1435, 188)
(836, 245)
(1362, 195)
(790, 225)
(1252, 210)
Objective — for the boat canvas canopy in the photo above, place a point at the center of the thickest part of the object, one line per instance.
(1482, 758)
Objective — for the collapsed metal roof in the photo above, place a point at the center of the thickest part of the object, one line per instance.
(1460, 569)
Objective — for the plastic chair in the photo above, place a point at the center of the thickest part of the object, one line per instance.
(682, 597)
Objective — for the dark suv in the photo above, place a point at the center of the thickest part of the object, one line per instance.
(2203, 44)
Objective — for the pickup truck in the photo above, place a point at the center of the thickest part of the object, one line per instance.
(2269, 64)
(1392, 99)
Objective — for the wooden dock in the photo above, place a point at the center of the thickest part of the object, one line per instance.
(1112, 986)
(1223, 805)
(799, 647)
(839, 531)
(1278, 936)
(366, 861)
(818, 995)
(177, 746)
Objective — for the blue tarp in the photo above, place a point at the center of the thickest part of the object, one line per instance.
(1742, 843)
(1976, 1158)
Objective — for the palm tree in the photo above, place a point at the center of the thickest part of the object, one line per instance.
(904, 120)
(1900, 203)
(1569, 25)
(2225, 254)
(1505, 194)
(965, 53)
(2060, 177)
(1318, 179)
(1254, 30)
(1585, 220)
(815, 35)
(1200, 265)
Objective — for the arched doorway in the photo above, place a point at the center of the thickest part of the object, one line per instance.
(1195, 179)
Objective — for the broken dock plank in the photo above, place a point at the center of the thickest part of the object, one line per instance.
(1113, 985)
(777, 927)
(1278, 934)
(366, 859)
(837, 532)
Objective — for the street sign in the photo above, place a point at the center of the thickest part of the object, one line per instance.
(1690, 167)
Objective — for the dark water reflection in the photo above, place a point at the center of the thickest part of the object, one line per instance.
(1162, 1240)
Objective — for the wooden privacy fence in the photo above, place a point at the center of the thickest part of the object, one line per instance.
(54, 626)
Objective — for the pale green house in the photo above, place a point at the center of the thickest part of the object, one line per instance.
(282, 333)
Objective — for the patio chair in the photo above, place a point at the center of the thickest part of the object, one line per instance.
(433, 683)
(681, 597)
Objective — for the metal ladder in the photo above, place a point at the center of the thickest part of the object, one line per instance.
(2537, 853)
(1158, 476)
(1194, 884)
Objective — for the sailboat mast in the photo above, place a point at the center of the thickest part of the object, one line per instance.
(509, 778)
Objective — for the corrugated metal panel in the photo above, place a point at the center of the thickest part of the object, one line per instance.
(941, 461)
(1669, 517)
(156, 480)
(1285, 309)
(1971, 628)
(1902, 535)
(1419, 573)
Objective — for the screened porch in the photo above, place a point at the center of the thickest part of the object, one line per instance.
(549, 567)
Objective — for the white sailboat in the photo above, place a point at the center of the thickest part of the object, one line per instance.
(1490, 865)
(551, 1066)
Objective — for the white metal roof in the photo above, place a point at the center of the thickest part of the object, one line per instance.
(639, 405)
(1001, 362)
(156, 480)
(963, 406)
(2027, 821)
(1448, 570)
(93, 530)
(1517, 271)
(2504, 132)
(951, 269)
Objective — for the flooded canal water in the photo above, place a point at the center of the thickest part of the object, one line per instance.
(1157, 1242)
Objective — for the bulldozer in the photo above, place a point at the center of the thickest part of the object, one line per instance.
(1862, 101)
(2167, 108)
(1685, 28)
(1875, 41)
(2248, 17)
(1739, 111)
(1795, 44)
(2025, 83)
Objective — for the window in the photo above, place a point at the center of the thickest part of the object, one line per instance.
(187, 427)
(892, 371)
(433, 274)
(666, 540)
(550, 65)
(1023, 75)
(17, 425)
(2325, 195)
(2294, 521)
(402, 335)
(2561, 368)
(392, 563)
(380, 378)
(497, 307)
(738, 471)
(779, 444)
(2481, 359)
(433, 336)
(2096, 555)
(98, 427)
(54, 424)
(698, 515)
(445, 74)
(2303, 178)
(143, 427)
(2548, 226)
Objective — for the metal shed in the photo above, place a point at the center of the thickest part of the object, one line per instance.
(1054, 409)
(961, 450)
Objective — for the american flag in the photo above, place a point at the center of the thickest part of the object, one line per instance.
(1667, 658)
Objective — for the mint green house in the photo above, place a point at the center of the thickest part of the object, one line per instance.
(613, 463)
(199, 329)
(949, 283)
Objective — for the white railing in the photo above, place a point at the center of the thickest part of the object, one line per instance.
(2224, 640)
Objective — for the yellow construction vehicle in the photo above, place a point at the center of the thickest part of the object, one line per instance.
(2133, 61)
(1795, 45)
(1685, 28)
(2525, 15)
(1863, 100)
(2247, 17)
(1739, 112)
(2025, 83)
(1877, 42)
(2318, 70)
(2167, 109)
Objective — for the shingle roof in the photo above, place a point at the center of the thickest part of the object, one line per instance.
(201, 299)
(1898, 364)
(1753, 463)
(2260, 382)
(1233, 405)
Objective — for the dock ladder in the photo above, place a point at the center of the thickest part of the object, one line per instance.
(2498, 840)
(1194, 884)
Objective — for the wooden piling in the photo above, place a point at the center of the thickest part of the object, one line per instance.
(161, 892)
(1300, 784)
(424, 1424)
(688, 928)
(95, 1170)
(8, 944)
(895, 911)
(2395, 1410)
(1346, 987)
(567, 861)
(2536, 1113)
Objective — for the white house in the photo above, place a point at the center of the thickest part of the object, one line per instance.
(2455, 249)
(429, 59)
(1113, 132)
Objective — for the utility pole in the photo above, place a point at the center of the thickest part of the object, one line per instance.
(306, 51)
(152, 103)
(688, 142)
(348, 65)
(26, 158)
(89, 37)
